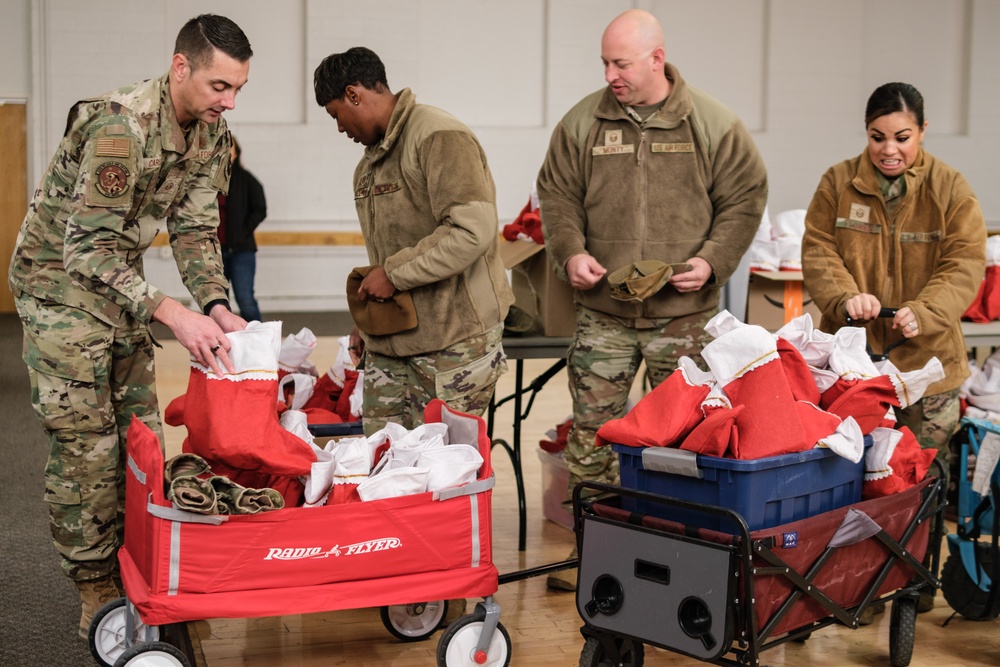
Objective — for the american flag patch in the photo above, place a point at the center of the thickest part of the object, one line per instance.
(112, 147)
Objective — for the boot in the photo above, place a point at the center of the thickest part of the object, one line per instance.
(94, 594)
(456, 609)
(564, 580)
(868, 615)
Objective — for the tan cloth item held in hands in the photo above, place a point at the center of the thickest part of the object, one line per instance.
(642, 279)
(379, 318)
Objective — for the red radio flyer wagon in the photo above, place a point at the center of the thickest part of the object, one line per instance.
(407, 554)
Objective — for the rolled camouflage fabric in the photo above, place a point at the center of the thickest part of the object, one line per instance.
(193, 495)
(236, 499)
(227, 493)
(253, 501)
(184, 465)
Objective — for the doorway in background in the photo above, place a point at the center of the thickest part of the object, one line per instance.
(13, 187)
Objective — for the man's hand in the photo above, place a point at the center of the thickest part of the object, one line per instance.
(376, 285)
(693, 280)
(227, 319)
(863, 307)
(584, 271)
(199, 334)
(355, 345)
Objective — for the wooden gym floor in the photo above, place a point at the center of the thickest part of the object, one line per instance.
(544, 626)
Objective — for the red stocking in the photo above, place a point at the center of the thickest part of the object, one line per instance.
(716, 434)
(663, 417)
(800, 378)
(746, 363)
(867, 401)
(232, 421)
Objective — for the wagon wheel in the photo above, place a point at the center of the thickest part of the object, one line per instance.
(611, 651)
(107, 632)
(962, 593)
(902, 629)
(457, 646)
(414, 622)
(153, 654)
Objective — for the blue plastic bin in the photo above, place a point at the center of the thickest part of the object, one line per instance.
(765, 492)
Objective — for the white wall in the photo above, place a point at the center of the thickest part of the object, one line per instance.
(15, 49)
(797, 71)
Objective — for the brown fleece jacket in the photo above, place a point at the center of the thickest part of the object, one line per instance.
(687, 182)
(427, 206)
(930, 257)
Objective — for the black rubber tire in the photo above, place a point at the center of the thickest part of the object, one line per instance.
(463, 634)
(625, 652)
(962, 593)
(902, 631)
(135, 656)
(414, 622)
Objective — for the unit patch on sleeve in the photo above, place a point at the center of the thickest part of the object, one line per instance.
(109, 184)
(112, 179)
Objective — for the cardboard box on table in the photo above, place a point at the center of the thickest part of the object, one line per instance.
(537, 289)
(776, 297)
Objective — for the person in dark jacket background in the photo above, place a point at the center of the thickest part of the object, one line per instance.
(239, 214)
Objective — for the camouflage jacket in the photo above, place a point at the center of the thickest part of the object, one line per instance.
(124, 166)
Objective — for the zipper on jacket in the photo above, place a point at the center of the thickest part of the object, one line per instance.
(888, 287)
(643, 189)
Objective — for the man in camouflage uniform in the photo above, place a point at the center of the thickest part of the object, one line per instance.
(427, 206)
(130, 159)
(646, 170)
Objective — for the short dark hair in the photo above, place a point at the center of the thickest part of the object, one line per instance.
(357, 66)
(200, 36)
(892, 97)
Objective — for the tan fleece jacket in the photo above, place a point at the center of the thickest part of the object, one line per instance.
(427, 206)
(930, 257)
(688, 182)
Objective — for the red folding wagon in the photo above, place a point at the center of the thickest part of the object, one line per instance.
(725, 594)
(407, 555)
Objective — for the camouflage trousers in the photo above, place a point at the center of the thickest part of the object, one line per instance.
(933, 419)
(397, 389)
(602, 364)
(87, 381)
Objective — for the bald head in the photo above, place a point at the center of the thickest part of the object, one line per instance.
(636, 27)
(633, 55)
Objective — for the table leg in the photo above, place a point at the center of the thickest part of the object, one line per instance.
(513, 448)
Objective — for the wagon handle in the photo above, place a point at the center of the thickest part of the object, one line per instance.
(882, 313)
